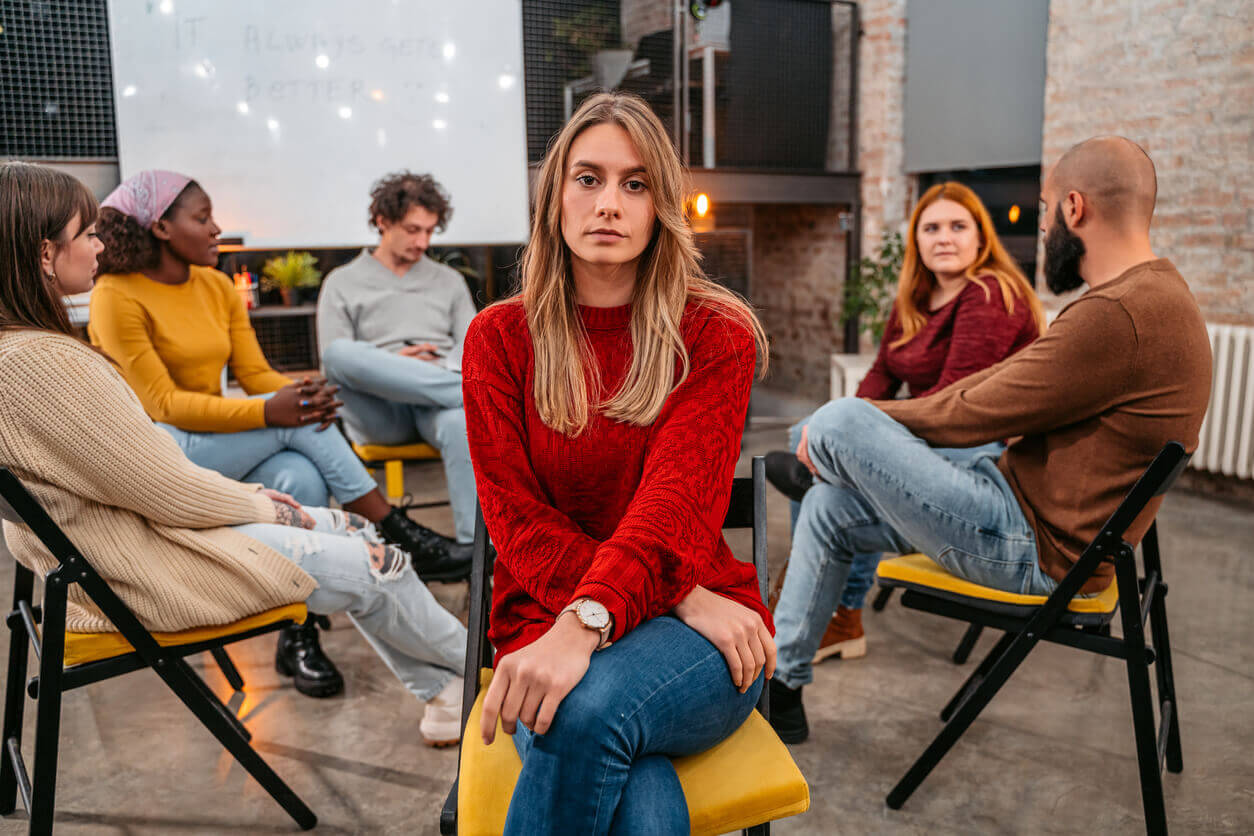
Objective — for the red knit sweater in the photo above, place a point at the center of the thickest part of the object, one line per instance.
(965, 335)
(629, 516)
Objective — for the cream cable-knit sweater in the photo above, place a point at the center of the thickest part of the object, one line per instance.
(153, 524)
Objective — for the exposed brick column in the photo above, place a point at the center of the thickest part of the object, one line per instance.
(1176, 76)
(886, 190)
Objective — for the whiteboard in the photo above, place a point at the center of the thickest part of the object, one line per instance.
(287, 111)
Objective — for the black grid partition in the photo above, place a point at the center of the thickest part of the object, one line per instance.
(559, 38)
(56, 86)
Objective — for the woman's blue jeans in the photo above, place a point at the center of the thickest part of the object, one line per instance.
(604, 765)
(884, 489)
(300, 461)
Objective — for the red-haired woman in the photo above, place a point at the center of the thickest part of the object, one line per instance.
(962, 305)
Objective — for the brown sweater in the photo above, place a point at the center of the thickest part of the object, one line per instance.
(1123, 370)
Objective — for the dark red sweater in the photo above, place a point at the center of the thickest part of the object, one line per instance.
(965, 335)
(629, 516)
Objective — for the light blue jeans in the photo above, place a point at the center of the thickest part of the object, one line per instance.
(300, 461)
(862, 570)
(604, 765)
(390, 399)
(885, 489)
(420, 641)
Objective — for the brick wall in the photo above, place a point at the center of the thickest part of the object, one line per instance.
(1177, 76)
(797, 282)
(886, 190)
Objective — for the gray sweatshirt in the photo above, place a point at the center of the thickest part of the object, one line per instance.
(365, 301)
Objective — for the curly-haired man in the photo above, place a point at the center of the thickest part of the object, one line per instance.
(390, 326)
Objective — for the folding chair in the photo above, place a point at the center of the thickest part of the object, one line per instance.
(745, 782)
(965, 645)
(1083, 623)
(392, 458)
(70, 660)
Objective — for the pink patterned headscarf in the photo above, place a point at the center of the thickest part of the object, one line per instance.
(146, 195)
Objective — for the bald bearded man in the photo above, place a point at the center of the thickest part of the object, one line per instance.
(1124, 369)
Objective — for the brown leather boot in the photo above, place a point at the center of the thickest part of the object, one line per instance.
(843, 637)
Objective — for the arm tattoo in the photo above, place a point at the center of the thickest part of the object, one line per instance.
(286, 515)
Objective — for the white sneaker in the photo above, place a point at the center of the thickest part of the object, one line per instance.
(441, 724)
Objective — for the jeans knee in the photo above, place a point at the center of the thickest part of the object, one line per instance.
(338, 360)
(583, 715)
(843, 423)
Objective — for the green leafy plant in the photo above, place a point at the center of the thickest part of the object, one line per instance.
(586, 31)
(290, 271)
(457, 260)
(872, 285)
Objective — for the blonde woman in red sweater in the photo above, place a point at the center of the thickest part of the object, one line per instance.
(605, 406)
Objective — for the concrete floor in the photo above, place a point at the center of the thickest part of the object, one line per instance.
(1052, 754)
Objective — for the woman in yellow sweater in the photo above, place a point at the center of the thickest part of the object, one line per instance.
(181, 545)
(171, 322)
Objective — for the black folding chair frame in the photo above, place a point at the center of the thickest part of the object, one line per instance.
(1139, 599)
(54, 678)
(747, 509)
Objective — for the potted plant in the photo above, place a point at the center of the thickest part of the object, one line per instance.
(291, 274)
(872, 285)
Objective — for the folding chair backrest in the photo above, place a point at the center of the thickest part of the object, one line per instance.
(17, 505)
(1155, 481)
(747, 509)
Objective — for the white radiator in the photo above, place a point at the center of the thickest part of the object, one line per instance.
(1227, 436)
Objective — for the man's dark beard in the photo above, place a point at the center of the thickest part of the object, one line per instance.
(1063, 251)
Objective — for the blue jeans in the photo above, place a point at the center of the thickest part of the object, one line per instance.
(420, 641)
(604, 765)
(862, 570)
(390, 399)
(884, 489)
(300, 461)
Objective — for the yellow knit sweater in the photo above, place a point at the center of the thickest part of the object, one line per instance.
(153, 524)
(171, 341)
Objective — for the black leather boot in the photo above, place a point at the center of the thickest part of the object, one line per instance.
(789, 476)
(435, 557)
(788, 715)
(299, 655)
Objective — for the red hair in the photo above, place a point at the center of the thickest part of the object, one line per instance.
(916, 283)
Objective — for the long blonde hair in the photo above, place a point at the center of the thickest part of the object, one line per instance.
(916, 283)
(567, 380)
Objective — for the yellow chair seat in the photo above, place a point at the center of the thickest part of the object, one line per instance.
(90, 647)
(747, 779)
(404, 452)
(918, 571)
(393, 459)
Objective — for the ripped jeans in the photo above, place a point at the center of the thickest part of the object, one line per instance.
(420, 641)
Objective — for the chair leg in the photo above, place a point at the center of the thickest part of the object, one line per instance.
(1166, 682)
(881, 598)
(969, 638)
(978, 674)
(228, 668)
(222, 708)
(1142, 702)
(48, 710)
(14, 693)
(763, 829)
(180, 678)
(1018, 648)
(394, 473)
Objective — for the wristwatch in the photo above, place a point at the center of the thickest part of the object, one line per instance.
(594, 616)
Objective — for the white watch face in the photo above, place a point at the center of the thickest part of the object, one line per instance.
(593, 614)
